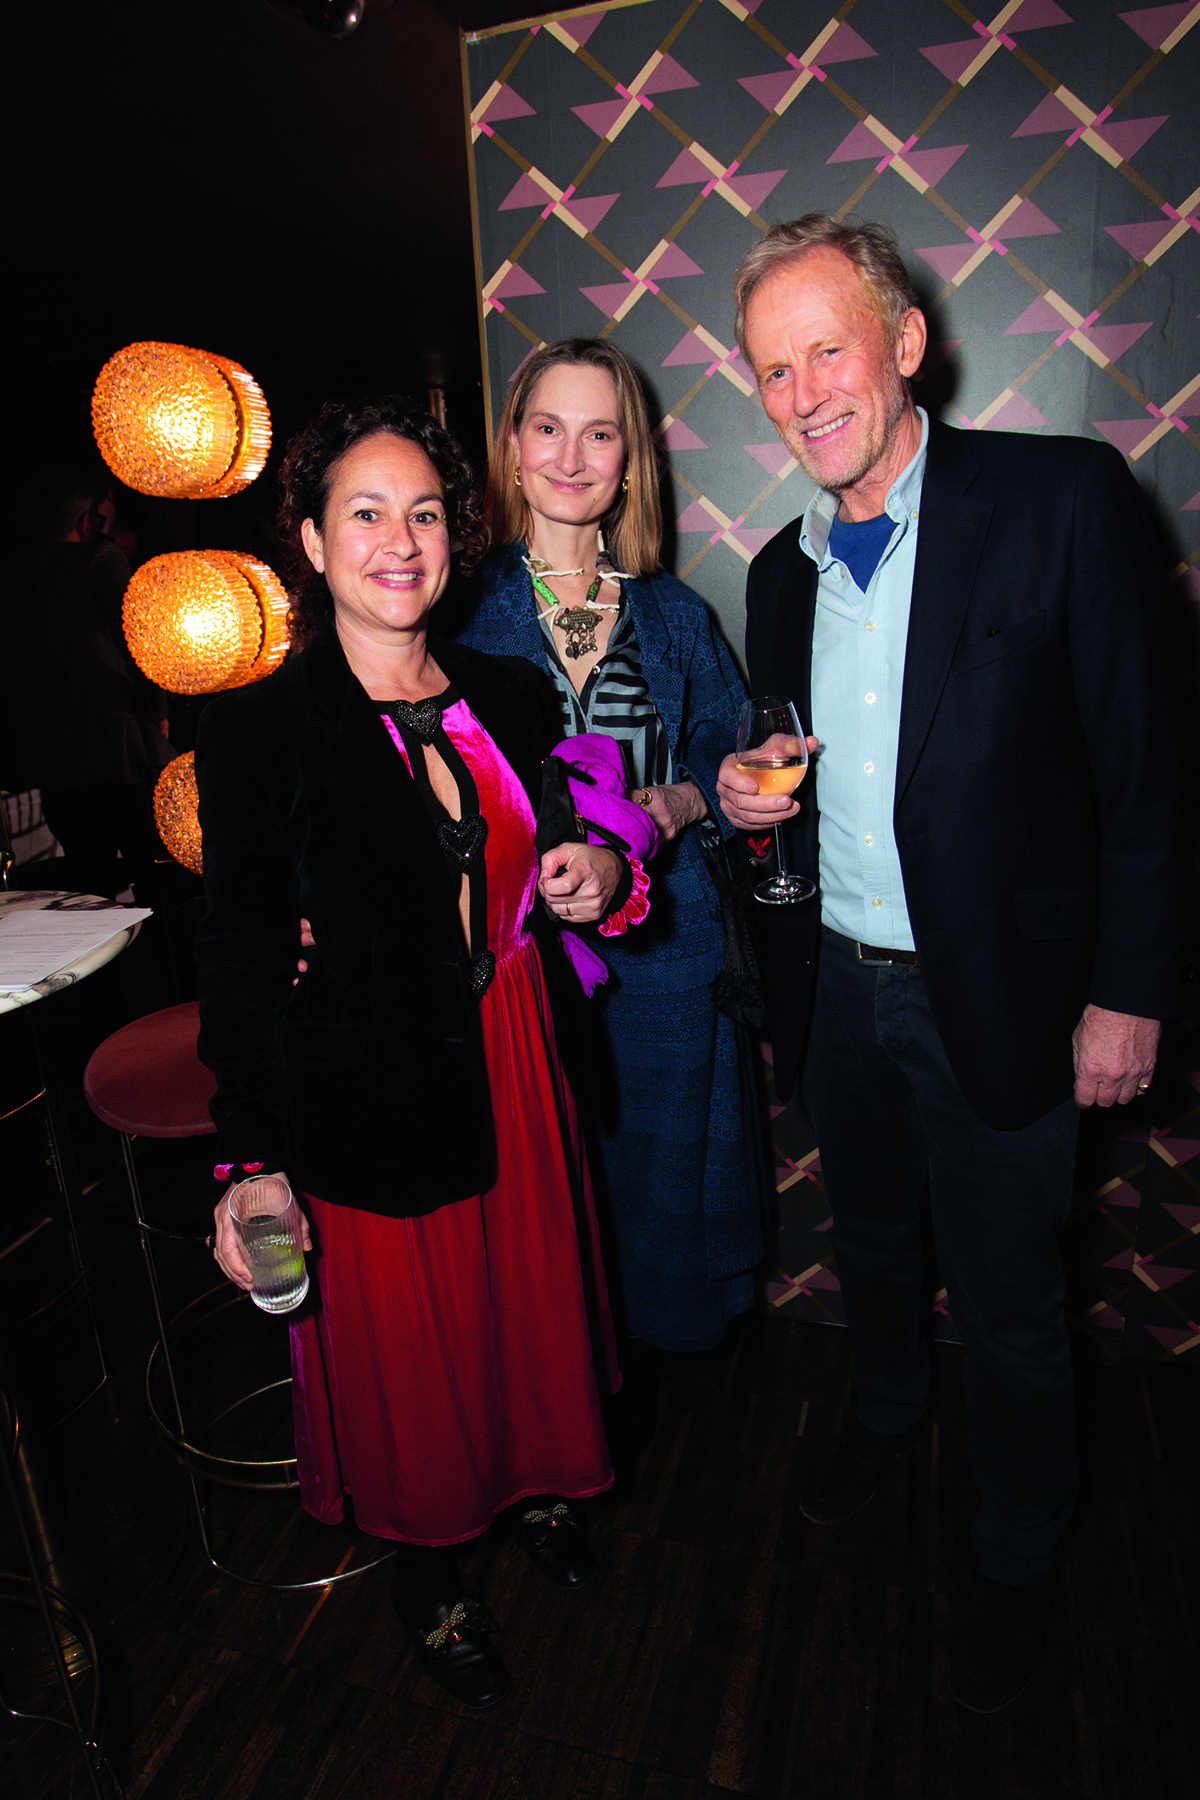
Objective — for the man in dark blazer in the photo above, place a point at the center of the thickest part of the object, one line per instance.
(972, 625)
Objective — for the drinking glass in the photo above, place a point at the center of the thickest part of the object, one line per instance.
(267, 1221)
(771, 748)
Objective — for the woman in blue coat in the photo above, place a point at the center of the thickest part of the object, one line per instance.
(574, 583)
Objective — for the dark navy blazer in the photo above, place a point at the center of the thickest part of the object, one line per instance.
(1038, 791)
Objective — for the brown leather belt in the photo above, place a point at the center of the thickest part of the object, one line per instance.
(872, 954)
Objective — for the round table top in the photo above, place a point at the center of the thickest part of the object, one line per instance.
(56, 900)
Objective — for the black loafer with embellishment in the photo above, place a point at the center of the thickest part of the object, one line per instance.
(451, 1644)
(556, 1543)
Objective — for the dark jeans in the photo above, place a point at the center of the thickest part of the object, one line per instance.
(891, 1120)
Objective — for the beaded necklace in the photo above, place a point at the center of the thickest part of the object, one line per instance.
(578, 623)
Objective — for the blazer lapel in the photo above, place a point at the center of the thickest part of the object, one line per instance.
(954, 524)
(364, 762)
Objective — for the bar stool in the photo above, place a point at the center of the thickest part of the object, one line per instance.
(146, 1080)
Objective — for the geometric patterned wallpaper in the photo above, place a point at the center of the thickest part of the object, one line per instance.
(1041, 170)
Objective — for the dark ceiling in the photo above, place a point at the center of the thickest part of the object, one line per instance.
(212, 172)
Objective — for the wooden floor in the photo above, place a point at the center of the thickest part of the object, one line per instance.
(728, 1647)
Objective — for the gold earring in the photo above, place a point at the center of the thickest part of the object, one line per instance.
(517, 477)
(625, 485)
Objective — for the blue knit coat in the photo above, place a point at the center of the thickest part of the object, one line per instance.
(678, 1161)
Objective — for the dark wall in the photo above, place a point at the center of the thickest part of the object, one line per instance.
(212, 172)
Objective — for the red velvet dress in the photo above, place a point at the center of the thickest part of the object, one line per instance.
(453, 1363)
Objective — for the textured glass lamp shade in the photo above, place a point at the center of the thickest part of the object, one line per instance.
(176, 806)
(180, 424)
(197, 621)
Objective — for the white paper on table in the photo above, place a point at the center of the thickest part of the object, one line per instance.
(36, 944)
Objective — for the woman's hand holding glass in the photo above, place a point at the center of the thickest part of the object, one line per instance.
(578, 882)
(227, 1246)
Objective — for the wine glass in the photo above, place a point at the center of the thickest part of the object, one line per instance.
(771, 748)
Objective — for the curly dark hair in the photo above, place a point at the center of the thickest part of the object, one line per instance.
(306, 476)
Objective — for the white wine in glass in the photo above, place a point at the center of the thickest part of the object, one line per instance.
(771, 749)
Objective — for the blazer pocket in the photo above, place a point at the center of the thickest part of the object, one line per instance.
(1057, 915)
(316, 1043)
(989, 650)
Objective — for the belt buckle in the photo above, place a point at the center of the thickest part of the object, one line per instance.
(873, 962)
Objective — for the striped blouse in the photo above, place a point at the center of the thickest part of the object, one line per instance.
(616, 701)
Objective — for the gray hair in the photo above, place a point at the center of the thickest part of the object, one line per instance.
(871, 247)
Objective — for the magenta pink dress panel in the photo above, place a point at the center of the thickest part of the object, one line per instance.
(454, 1363)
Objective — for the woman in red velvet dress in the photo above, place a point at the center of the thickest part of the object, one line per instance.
(383, 784)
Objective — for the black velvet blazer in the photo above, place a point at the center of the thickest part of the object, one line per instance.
(1038, 809)
(365, 1080)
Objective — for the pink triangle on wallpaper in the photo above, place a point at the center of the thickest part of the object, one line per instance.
(1162, 1275)
(1017, 414)
(694, 518)
(1028, 221)
(857, 146)
(600, 115)
(1139, 240)
(580, 29)
(1187, 1216)
(1114, 340)
(609, 296)
(589, 212)
(1050, 114)
(951, 59)
(1192, 505)
(768, 90)
(931, 165)
(1039, 315)
(772, 457)
(689, 349)
(680, 436)
(753, 189)
(1106, 1319)
(508, 104)
(1125, 434)
(1035, 15)
(673, 261)
(527, 192)
(844, 46)
(667, 78)
(1171, 1337)
(685, 168)
(516, 282)
(1154, 24)
(947, 259)
(1128, 137)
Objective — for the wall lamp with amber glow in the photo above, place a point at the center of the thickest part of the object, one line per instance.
(180, 424)
(197, 621)
(176, 811)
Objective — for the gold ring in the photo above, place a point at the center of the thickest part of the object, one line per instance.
(1143, 1086)
(646, 797)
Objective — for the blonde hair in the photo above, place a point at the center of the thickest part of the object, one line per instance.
(871, 247)
(633, 525)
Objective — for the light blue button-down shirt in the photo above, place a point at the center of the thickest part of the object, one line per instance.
(857, 677)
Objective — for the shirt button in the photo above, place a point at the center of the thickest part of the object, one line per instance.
(870, 838)
(877, 901)
(914, 515)
(870, 625)
(868, 768)
(870, 699)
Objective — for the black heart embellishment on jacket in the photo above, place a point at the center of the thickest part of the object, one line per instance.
(461, 838)
(421, 717)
